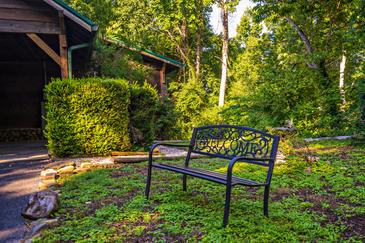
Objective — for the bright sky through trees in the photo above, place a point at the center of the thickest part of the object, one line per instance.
(234, 18)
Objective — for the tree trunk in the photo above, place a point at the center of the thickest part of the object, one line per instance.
(198, 55)
(341, 84)
(304, 38)
(224, 15)
(199, 8)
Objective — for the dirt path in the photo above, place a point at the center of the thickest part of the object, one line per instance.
(20, 165)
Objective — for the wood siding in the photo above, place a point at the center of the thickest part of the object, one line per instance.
(28, 16)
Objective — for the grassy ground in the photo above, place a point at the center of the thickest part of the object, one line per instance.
(310, 200)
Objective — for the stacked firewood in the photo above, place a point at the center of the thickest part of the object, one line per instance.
(21, 134)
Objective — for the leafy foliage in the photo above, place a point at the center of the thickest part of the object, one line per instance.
(87, 116)
(283, 63)
(277, 76)
(142, 110)
(166, 119)
(109, 61)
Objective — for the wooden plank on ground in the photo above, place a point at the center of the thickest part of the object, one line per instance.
(132, 153)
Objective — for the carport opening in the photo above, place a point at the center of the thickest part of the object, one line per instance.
(24, 71)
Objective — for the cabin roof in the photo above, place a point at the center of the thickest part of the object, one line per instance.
(148, 55)
(73, 14)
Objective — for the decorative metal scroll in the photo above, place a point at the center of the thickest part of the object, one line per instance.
(232, 141)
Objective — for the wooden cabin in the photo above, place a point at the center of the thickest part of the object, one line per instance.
(45, 39)
(39, 40)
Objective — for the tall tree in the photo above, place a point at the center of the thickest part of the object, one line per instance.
(224, 16)
(225, 6)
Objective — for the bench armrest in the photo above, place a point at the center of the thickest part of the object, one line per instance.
(258, 161)
(164, 144)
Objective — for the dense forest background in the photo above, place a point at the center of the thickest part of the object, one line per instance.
(297, 62)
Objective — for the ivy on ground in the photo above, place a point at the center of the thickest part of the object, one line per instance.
(310, 200)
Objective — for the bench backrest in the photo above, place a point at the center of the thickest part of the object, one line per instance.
(228, 141)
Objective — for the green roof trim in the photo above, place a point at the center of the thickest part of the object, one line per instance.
(144, 51)
(165, 58)
(64, 5)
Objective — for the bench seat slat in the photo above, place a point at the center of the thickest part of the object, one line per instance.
(208, 175)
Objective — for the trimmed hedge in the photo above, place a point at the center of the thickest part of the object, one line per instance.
(142, 109)
(87, 116)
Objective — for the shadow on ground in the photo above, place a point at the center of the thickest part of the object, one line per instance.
(20, 165)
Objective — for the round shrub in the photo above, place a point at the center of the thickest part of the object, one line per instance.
(87, 116)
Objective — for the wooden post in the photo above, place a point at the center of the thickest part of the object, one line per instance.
(162, 80)
(63, 45)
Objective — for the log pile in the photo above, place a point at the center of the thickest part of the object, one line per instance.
(20, 135)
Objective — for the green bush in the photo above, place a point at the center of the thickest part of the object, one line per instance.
(87, 116)
(166, 119)
(142, 109)
(114, 62)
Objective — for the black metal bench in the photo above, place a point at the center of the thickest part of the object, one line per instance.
(235, 143)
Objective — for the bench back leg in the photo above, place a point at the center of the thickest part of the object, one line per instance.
(227, 204)
(184, 183)
(266, 201)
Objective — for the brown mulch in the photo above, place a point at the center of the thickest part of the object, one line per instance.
(355, 226)
(280, 194)
(317, 200)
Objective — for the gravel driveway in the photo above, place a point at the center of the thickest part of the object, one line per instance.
(20, 165)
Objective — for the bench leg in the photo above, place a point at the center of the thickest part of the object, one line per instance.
(184, 183)
(226, 207)
(148, 184)
(266, 201)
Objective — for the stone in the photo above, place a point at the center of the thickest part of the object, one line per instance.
(86, 165)
(312, 158)
(41, 205)
(308, 170)
(37, 226)
(280, 157)
(66, 170)
(103, 164)
(42, 186)
(60, 164)
(49, 182)
(45, 184)
(48, 174)
(81, 170)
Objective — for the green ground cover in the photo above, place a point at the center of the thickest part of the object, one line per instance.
(310, 200)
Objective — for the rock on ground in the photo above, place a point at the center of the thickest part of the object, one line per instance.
(41, 205)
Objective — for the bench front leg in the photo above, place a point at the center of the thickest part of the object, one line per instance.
(150, 160)
(149, 178)
(149, 172)
(227, 204)
(228, 191)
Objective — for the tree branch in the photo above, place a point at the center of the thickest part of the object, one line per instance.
(304, 38)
